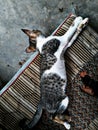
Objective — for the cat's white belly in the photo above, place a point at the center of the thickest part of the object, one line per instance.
(58, 68)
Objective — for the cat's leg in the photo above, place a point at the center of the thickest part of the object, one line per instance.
(65, 39)
(61, 110)
(63, 105)
(59, 121)
(78, 30)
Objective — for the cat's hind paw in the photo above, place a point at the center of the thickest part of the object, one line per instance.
(67, 125)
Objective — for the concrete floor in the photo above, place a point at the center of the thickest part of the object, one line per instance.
(45, 15)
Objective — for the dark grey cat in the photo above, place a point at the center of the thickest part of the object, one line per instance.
(53, 78)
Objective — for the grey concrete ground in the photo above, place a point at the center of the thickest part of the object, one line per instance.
(45, 15)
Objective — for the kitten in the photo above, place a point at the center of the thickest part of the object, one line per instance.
(53, 78)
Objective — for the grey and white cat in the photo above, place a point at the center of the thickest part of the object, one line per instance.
(53, 78)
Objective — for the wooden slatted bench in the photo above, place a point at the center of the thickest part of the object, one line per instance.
(20, 96)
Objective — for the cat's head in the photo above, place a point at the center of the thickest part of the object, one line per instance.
(32, 34)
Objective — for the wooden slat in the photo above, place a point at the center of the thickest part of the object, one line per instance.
(93, 125)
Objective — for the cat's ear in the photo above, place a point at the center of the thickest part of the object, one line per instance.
(32, 34)
(28, 32)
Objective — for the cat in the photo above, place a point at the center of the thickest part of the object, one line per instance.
(53, 79)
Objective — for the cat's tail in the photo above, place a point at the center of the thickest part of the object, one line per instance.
(33, 122)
